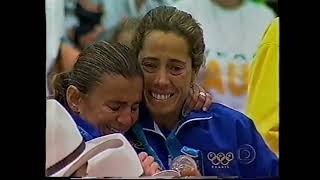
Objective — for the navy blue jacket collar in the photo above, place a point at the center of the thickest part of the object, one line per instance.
(87, 130)
(147, 122)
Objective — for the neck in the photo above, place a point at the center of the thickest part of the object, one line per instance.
(229, 4)
(167, 121)
(93, 123)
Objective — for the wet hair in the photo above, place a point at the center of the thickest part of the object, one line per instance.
(170, 19)
(95, 61)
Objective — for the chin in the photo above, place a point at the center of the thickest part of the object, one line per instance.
(162, 111)
(161, 108)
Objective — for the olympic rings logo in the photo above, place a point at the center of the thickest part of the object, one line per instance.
(220, 158)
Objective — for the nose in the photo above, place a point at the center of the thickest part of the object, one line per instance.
(125, 117)
(162, 78)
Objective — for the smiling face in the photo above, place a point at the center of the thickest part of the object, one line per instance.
(112, 106)
(167, 68)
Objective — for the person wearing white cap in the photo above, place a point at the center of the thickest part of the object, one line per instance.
(68, 155)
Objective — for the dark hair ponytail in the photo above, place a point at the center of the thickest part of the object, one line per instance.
(60, 85)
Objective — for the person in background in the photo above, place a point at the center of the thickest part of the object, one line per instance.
(67, 56)
(89, 29)
(263, 100)
(115, 11)
(232, 32)
(60, 56)
(125, 31)
(54, 33)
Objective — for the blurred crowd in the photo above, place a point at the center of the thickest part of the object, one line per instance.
(232, 29)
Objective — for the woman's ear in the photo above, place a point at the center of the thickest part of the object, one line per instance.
(73, 98)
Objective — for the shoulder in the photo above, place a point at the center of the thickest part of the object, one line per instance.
(221, 115)
(230, 116)
(183, 4)
(191, 7)
(260, 10)
(271, 35)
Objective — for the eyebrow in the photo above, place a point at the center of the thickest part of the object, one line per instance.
(177, 61)
(150, 58)
(170, 60)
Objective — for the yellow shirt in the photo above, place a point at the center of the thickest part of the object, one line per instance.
(263, 100)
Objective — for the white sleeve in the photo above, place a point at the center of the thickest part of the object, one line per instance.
(267, 14)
